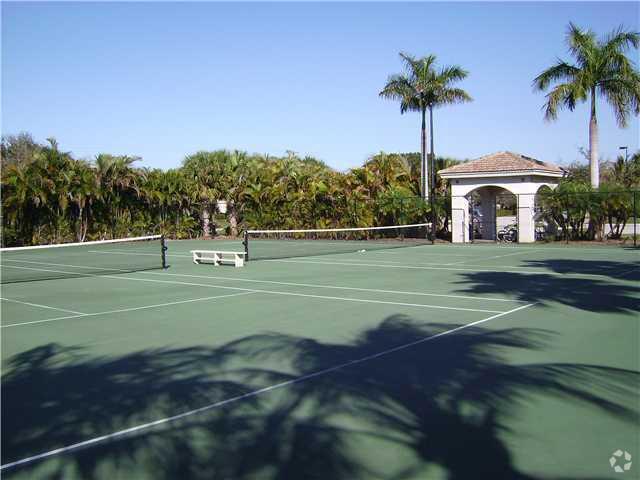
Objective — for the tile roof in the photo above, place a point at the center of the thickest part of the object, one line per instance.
(502, 162)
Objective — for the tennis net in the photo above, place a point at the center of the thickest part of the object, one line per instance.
(65, 260)
(273, 244)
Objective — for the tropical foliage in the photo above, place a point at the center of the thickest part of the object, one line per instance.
(575, 205)
(48, 196)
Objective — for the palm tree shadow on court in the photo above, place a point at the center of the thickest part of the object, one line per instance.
(616, 270)
(585, 291)
(442, 405)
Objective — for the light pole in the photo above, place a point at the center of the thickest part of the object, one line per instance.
(626, 153)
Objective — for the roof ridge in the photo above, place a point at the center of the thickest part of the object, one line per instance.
(504, 160)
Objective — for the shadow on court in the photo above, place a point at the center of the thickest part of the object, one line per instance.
(444, 404)
(612, 269)
(586, 293)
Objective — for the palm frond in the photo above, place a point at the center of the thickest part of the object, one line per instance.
(623, 94)
(562, 96)
(453, 73)
(582, 44)
(621, 40)
(561, 71)
(400, 87)
(453, 95)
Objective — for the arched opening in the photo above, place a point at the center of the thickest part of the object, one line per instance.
(492, 210)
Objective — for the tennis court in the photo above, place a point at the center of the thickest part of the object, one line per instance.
(429, 361)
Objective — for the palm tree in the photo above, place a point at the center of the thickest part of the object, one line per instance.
(422, 86)
(119, 185)
(601, 69)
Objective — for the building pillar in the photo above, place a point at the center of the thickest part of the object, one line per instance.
(459, 220)
(526, 213)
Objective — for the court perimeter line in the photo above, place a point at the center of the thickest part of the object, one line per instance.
(82, 315)
(484, 268)
(497, 256)
(272, 292)
(338, 287)
(254, 393)
(40, 306)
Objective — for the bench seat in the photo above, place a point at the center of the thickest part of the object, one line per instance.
(218, 257)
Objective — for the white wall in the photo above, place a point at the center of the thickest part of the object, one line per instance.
(523, 186)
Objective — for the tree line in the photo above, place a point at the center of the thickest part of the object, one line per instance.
(49, 196)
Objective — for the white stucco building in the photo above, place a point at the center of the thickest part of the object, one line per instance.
(491, 176)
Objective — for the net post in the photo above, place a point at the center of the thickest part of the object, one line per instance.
(163, 251)
(245, 243)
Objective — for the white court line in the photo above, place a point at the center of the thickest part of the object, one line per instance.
(337, 287)
(413, 267)
(381, 251)
(628, 272)
(40, 305)
(353, 259)
(275, 292)
(402, 251)
(484, 268)
(31, 262)
(116, 252)
(497, 256)
(444, 266)
(254, 393)
(132, 309)
(494, 269)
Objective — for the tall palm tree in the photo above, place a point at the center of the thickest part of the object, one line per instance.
(423, 86)
(601, 69)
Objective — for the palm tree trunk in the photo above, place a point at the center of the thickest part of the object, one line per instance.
(432, 159)
(595, 224)
(432, 177)
(423, 153)
(205, 222)
(233, 222)
(593, 143)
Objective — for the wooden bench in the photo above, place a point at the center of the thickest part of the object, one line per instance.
(218, 257)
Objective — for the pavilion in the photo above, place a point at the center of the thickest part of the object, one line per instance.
(489, 177)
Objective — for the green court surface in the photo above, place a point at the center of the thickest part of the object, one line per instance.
(425, 362)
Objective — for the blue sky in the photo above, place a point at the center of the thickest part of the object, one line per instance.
(162, 80)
